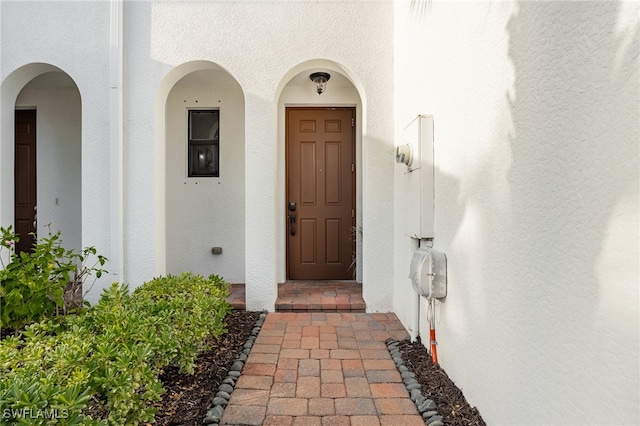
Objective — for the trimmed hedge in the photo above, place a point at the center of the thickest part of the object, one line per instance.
(102, 365)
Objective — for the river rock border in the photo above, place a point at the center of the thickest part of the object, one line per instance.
(426, 407)
(221, 400)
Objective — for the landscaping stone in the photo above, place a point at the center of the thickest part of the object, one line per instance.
(427, 405)
(414, 385)
(221, 400)
(424, 406)
(406, 374)
(226, 388)
(224, 395)
(434, 419)
(215, 412)
(409, 381)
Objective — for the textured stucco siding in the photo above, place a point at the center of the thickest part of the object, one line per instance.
(205, 212)
(536, 115)
(162, 36)
(165, 41)
(73, 38)
(536, 186)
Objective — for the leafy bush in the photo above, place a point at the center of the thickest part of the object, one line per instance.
(102, 366)
(33, 283)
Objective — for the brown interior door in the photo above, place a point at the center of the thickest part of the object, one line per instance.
(320, 193)
(25, 178)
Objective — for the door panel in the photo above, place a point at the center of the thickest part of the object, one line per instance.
(25, 178)
(333, 235)
(321, 181)
(308, 168)
(307, 240)
(333, 177)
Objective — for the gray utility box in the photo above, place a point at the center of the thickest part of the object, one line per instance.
(428, 273)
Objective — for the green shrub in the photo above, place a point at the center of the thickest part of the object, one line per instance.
(195, 306)
(102, 366)
(32, 284)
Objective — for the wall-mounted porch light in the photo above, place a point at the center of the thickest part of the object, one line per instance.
(320, 79)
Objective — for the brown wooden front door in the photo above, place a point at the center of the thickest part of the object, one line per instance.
(25, 178)
(320, 193)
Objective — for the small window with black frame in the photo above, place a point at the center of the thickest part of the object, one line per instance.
(204, 143)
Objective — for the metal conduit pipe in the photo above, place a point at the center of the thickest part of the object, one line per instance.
(414, 332)
(116, 132)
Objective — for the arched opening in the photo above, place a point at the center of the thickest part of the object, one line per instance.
(42, 143)
(296, 90)
(203, 173)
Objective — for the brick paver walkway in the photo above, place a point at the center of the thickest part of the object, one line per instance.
(322, 369)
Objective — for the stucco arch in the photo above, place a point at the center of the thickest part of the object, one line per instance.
(296, 89)
(327, 65)
(56, 97)
(184, 203)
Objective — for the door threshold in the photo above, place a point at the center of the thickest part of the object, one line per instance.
(320, 296)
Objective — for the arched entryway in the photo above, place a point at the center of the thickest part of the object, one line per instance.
(42, 125)
(203, 172)
(336, 118)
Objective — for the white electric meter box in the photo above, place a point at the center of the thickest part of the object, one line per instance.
(428, 273)
(417, 181)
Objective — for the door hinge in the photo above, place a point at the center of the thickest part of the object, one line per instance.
(353, 167)
(353, 122)
(353, 213)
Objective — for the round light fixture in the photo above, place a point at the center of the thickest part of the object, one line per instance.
(320, 79)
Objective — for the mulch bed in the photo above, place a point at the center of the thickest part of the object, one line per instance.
(188, 397)
(438, 387)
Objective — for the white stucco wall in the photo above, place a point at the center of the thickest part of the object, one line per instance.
(73, 37)
(160, 42)
(205, 212)
(536, 181)
(58, 149)
(163, 37)
(536, 187)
